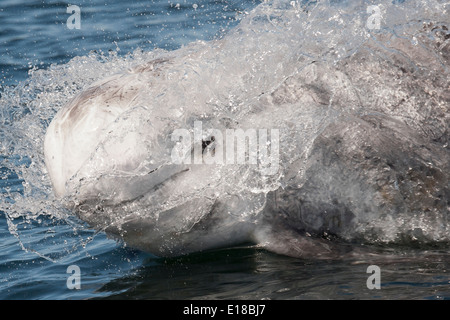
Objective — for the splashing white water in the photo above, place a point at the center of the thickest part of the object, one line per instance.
(245, 78)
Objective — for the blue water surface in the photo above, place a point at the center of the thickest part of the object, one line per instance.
(36, 33)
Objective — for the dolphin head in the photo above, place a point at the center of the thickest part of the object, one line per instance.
(125, 170)
(363, 138)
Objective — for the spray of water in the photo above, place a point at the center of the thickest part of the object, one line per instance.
(278, 51)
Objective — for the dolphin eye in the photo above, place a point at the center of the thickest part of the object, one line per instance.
(206, 143)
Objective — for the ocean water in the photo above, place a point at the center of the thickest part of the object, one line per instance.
(44, 63)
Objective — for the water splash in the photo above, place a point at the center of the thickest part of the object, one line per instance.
(25, 113)
(276, 42)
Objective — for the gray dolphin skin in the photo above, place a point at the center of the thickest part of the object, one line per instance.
(357, 123)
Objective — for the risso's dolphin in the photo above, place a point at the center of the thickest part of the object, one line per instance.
(266, 136)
